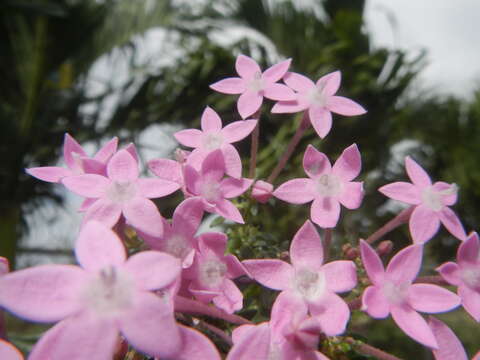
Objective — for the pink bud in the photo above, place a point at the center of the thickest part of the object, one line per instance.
(385, 247)
(262, 191)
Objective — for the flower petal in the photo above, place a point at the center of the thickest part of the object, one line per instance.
(298, 82)
(103, 211)
(470, 301)
(348, 165)
(344, 106)
(431, 298)
(306, 249)
(330, 83)
(213, 166)
(423, 224)
(451, 221)
(296, 191)
(107, 150)
(332, 313)
(321, 119)
(49, 173)
(372, 263)
(325, 212)
(187, 217)
(231, 85)
(414, 325)
(210, 120)
(196, 346)
(142, 213)
(229, 211)
(469, 251)
(405, 265)
(92, 166)
(254, 343)
(233, 162)
(9, 352)
(166, 169)
(232, 187)
(286, 309)
(122, 167)
(248, 103)
(231, 299)
(87, 185)
(276, 72)
(289, 107)
(246, 67)
(416, 173)
(315, 163)
(279, 92)
(449, 347)
(375, 303)
(213, 241)
(352, 195)
(402, 191)
(192, 179)
(155, 188)
(71, 152)
(341, 275)
(132, 150)
(238, 130)
(450, 272)
(272, 273)
(189, 137)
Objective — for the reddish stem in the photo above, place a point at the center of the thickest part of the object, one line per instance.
(398, 220)
(254, 147)
(327, 238)
(217, 331)
(433, 279)
(355, 304)
(370, 350)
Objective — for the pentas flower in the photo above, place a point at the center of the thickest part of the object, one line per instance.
(327, 186)
(77, 161)
(253, 85)
(308, 279)
(210, 185)
(393, 292)
(319, 99)
(431, 203)
(213, 137)
(9, 352)
(449, 347)
(466, 274)
(108, 294)
(211, 273)
(122, 192)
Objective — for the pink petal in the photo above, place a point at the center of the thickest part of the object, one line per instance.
(325, 212)
(469, 251)
(4, 266)
(98, 247)
(231, 299)
(229, 211)
(49, 173)
(321, 119)
(122, 167)
(238, 130)
(449, 347)
(248, 103)
(402, 191)
(414, 325)
(330, 83)
(86, 204)
(214, 166)
(477, 356)
(71, 151)
(451, 221)
(416, 173)
(253, 344)
(132, 150)
(431, 298)
(447, 200)
(341, 275)
(450, 272)
(107, 150)
(189, 137)
(272, 273)
(315, 163)
(276, 72)
(92, 166)
(332, 313)
(103, 211)
(289, 107)
(153, 270)
(210, 120)
(246, 67)
(375, 303)
(87, 185)
(306, 249)
(232, 187)
(142, 213)
(187, 217)
(279, 92)
(166, 169)
(149, 321)
(235, 268)
(343, 106)
(405, 265)
(9, 352)
(44, 293)
(423, 224)
(214, 241)
(372, 263)
(298, 82)
(352, 195)
(196, 346)
(233, 162)
(470, 301)
(232, 85)
(77, 338)
(192, 179)
(262, 191)
(348, 165)
(296, 191)
(240, 332)
(155, 188)
(286, 309)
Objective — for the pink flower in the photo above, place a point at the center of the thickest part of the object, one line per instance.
(466, 274)
(393, 292)
(449, 347)
(77, 161)
(212, 137)
(253, 85)
(431, 203)
(262, 191)
(9, 352)
(122, 192)
(108, 294)
(308, 279)
(327, 186)
(319, 99)
(210, 186)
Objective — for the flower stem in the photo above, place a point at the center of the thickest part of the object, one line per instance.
(370, 350)
(217, 331)
(254, 147)
(327, 238)
(434, 279)
(304, 125)
(398, 220)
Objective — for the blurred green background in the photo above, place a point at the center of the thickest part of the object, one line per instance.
(54, 69)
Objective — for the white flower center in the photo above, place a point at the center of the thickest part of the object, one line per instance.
(433, 198)
(212, 141)
(256, 84)
(210, 191)
(109, 292)
(317, 97)
(178, 247)
(311, 285)
(395, 293)
(329, 185)
(212, 272)
(471, 277)
(121, 192)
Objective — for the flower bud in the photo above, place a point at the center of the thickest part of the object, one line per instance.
(262, 191)
(384, 248)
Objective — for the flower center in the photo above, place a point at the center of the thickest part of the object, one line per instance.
(256, 84)
(212, 273)
(121, 192)
(395, 293)
(310, 285)
(178, 247)
(471, 277)
(329, 185)
(212, 141)
(433, 199)
(317, 97)
(210, 191)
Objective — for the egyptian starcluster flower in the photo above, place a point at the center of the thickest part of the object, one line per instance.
(465, 274)
(327, 186)
(431, 203)
(393, 292)
(307, 278)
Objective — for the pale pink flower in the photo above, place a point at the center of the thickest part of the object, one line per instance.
(262, 191)
(431, 203)
(308, 279)
(253, 85)
(466, 274)
(213, 137)
(449, 347)
(393, 292)
(9, 352)
(327, 186)
(122, 192)
(210, 185)
(319, 99)
(108, 294)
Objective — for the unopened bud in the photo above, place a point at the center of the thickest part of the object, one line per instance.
(352, 253)
(385, 247)
(181, 155)
(285, 256)
(262, 191)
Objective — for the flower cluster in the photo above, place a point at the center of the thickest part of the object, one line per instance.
(150, 296)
